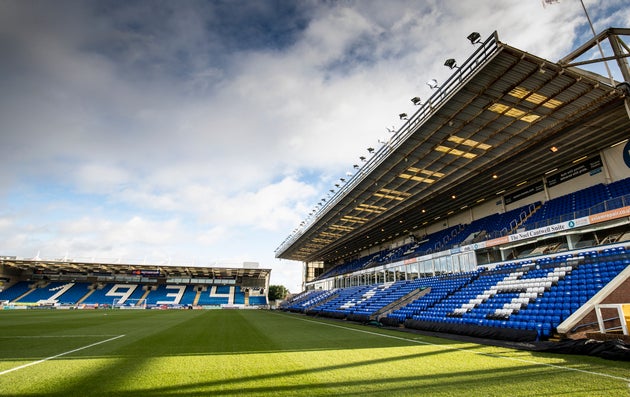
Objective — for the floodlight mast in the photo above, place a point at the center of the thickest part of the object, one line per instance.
(616, 44)
(590, 23)
(612, 35)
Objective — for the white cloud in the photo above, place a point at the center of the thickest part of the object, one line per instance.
(101, 178)
(211, 236)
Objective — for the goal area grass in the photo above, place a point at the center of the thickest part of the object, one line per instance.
(270, 353)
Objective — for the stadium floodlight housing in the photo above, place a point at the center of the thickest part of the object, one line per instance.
(432, 84)
(474, 38)
(416, 101)
(362, 158)
(370, 150)
(403, 116)
(451, 63)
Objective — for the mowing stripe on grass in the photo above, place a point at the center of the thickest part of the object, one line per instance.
(59, 355)
(447, 347)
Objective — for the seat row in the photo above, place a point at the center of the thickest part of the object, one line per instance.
(526, 295)
(84, 293)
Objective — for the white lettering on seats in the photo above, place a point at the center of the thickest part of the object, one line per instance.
(123, 296)
(60, 291)
(176, 295)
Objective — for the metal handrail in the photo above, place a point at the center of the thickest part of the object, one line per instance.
(577, 328)
(608, 205)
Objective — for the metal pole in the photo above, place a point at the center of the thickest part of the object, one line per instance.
(612, 81)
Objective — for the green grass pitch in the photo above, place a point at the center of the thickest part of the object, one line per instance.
(264, 353)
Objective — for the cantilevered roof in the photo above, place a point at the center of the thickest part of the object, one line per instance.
(91, 268)
(498, 115)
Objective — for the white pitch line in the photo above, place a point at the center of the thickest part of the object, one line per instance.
(59, 355)
(52, 336)
(447, 347)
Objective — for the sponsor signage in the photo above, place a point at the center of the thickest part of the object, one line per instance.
(497, 241)
(558, 227)
(609, 215)
(473, 247)
(146, 272)
(587, 166)
(521, 194)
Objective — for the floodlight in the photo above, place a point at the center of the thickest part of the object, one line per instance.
(451, 63)
(370, 150)
(474, 38)
(432, 83)
(416, 101)
(403, 116)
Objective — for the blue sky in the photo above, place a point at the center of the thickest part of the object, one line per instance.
(204, 132)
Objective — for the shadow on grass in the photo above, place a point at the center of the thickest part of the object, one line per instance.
(211, 334)
(512, 380)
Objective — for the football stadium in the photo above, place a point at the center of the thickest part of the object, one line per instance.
(499, 208)
(483, 249)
